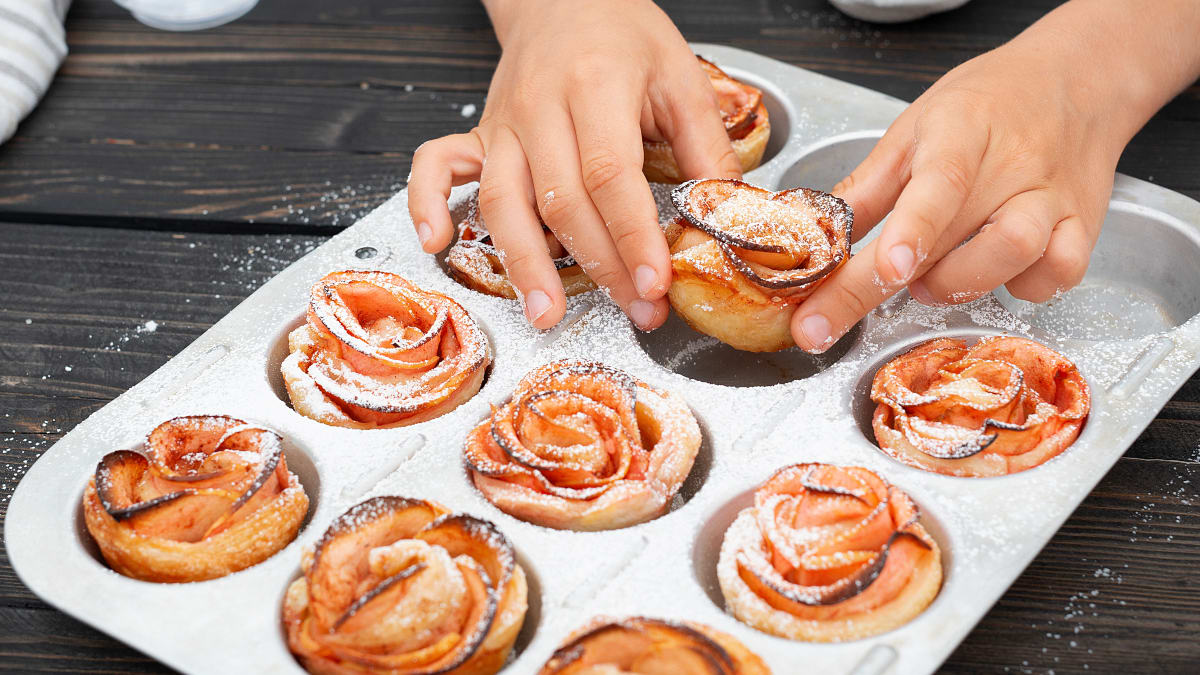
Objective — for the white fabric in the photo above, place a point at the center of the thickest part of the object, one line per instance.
(32, 45)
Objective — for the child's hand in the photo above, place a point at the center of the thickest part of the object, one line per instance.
(1000, 173)
(578, 87)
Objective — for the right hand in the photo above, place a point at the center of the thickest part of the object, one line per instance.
(579, 85)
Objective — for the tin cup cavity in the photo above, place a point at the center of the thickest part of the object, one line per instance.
(706, 547)
(529, 628)
(691, 486)
(823, 165)
(277, 351)
(862, 408)
(1143, 279)
(680, 349)
(299, 461)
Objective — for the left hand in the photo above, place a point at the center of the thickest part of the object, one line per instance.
(1000, 173)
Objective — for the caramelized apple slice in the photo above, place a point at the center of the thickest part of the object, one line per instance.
(807, 231)
(583, 446)
(377, 351)
(1006, 404)
(209, 496)
(652, 646)
(403, 586)
(828, 553)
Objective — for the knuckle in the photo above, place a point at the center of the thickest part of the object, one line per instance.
(1067, 266)
(423, 151)
(601, 170)
(855, 300)
(1026, 156)
(627, 237)
(1021, 236)
(607, 276)
(1031, 292)
(726, 157)
(516, 262)
(954, 172)
(491, 195)
(590, 68)
(560, 208)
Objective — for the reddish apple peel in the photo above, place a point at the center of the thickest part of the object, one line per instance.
(376, 351)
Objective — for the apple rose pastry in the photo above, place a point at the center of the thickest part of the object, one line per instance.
(746, 123)
(744, 257)
(641, 645)
(475, 263)
(1004, 405)
(379, 352)
(207, 496)
(582, 446)
(828, 553)
(404, 586)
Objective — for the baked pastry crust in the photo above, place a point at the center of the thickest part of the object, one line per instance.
(207, 496)
(582, 446)
(404, 586)
(744, 257)
(827, 554)
(746, 122)
(643, 645)
(1003, 405)
(377, 352)
(474, 262)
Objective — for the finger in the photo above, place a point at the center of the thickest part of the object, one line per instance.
(1010, 243)
(839, 303)
(505, 194)
(695, 129)
(437, 166)
(568, 211)
(610, 151)
(1062, 266)
(945, 162)
(872, 187)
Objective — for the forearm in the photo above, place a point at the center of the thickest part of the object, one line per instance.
(501, 13)
(1130, 56)
(504, 14)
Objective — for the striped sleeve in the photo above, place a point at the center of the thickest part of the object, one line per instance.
(32, 45)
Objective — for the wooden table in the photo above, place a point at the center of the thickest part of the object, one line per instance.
(167, 175)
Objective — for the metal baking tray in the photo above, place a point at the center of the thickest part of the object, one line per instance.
(1130, 327)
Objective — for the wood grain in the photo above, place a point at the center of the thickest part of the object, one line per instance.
(243, 145)
(302, 116)
(87, 294)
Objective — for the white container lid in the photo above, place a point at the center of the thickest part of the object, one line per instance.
(186, 14)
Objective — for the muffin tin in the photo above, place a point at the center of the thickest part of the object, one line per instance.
(1130, 327)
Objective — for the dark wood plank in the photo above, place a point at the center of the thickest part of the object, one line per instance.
(266, 124)
(39, 641)
(86, 292)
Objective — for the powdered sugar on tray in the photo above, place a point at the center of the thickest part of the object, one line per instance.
(773, 410)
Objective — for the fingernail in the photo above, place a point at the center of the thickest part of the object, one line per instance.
(644, 278)
(921, 294)
(641, 312)
(903, 261)
(424, 233)
(818, 331)
(537, 303)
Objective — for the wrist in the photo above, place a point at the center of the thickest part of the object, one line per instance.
(506, 14)
(1120, 60)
